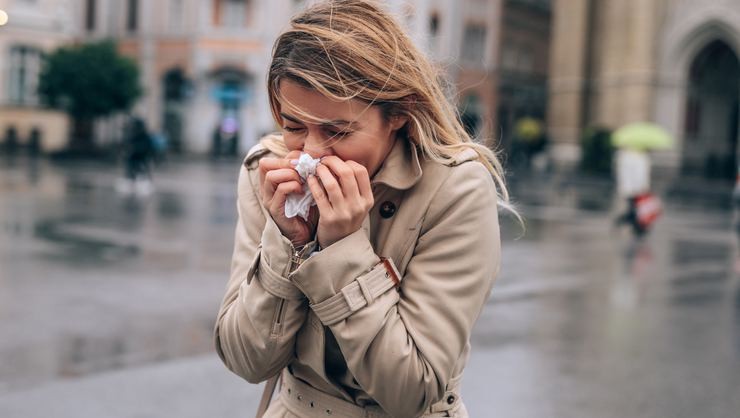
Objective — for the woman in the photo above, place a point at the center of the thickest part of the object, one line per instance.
(366, 307)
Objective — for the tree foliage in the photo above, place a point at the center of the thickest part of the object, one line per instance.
(89, 80)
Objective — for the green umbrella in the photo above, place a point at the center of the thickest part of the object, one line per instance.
(642, 135)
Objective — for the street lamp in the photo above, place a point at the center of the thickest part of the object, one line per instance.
(3, 17)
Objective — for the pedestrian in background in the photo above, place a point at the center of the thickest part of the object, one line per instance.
(139, 152)
(366, 306)
(633, 182)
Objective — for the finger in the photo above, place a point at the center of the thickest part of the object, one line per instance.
(293, 155)
(275, 177)
(345, 174)
(319, 195)
(269, 164)
(332, 187)
(282, 175)
(363, 180)
(281, 195)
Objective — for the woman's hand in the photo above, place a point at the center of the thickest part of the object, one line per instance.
(343, 196)
(279, 179)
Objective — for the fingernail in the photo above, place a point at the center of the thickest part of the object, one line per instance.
(293, 162)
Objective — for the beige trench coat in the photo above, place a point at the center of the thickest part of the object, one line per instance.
(335, 322)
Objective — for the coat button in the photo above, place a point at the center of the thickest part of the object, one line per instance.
(451, 399)
(387, 209)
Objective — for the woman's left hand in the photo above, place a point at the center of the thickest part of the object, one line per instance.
(343, 196)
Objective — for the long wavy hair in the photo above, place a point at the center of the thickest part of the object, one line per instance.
(354, 49)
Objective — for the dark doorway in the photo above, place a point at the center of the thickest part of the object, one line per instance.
(176, 88)
(231, 90)
(711, 122)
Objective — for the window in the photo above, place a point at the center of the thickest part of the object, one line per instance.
(433, 38)
(176, 16)
(526, 60)
(434, 25)
(509, 57)
(25, 63)
(519, 58)
(232, 13)
(132, 13)
(470, 115)
(474, 43)
(90, 15)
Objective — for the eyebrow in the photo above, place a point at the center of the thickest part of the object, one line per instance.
(336, 122)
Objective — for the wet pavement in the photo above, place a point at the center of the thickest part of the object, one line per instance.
(107, 302)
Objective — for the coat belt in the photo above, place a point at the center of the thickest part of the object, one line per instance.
(304, 400)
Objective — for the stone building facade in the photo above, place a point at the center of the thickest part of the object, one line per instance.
(33, 28)
(673, 62)
(524, 63)
(203, 65)
(204, 62)
(218, 52)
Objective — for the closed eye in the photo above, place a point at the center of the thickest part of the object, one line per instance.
(337, 134)
(292, 129)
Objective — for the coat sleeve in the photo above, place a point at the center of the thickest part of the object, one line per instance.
(402, 346)
(262, 310)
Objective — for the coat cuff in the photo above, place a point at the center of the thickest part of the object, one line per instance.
(277, 249)
(326, 272)
(360, 293)
(277, 257)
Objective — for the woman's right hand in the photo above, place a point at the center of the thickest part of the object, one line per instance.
(279, 179)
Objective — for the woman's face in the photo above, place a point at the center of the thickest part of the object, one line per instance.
(349, 129)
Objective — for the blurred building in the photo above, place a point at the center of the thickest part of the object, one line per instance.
(204, 62)
(524, 64)
(34, 27)
(203, 65)
(463, 38)
(674, 62)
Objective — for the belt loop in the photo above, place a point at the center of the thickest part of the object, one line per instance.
(366, 293)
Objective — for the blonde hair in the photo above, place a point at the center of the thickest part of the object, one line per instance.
(353, 49)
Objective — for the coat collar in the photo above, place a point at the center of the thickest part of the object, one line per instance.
(401, 168)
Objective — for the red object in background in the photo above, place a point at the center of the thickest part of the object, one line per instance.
(648, 208)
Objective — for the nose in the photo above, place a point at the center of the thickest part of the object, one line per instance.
(316, 146)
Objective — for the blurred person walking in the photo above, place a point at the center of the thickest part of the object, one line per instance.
(139, 149)
(633, 184)
(633, 173)
(365, 307)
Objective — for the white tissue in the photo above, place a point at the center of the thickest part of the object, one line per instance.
(300, 203)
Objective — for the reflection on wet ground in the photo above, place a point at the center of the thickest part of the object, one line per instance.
(594, 323)
(92, 280)
(583, 319)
